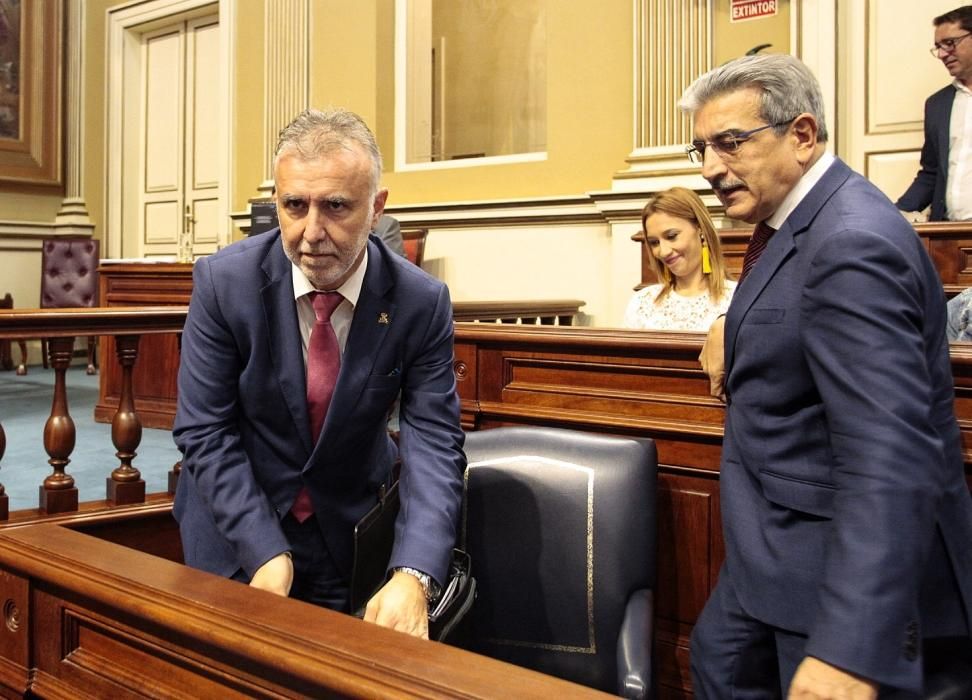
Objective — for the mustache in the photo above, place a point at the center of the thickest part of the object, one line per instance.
(725, 183)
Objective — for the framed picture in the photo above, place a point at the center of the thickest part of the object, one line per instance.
(30, 91)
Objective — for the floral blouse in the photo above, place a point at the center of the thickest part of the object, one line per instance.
(675, 312)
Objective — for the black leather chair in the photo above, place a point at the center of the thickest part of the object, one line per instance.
(560, 525)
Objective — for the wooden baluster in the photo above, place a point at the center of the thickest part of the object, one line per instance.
(58, 494)
(4, 499)
(125, 485)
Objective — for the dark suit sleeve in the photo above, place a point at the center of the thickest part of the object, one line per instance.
(922, 190)
(390, 233)
(207, 430)
(863, 313)
(431, 449)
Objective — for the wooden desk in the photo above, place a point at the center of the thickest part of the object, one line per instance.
(154, 376)
(87, 618)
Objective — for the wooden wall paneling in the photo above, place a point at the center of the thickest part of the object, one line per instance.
(688, 528)
(155, 372)
(949, 245)
(15, 653)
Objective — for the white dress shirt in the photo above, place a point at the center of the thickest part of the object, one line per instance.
(343, 314)
(958, 188)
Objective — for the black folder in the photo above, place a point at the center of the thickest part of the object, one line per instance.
(374, 537)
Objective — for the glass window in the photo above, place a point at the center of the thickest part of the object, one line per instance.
(474, 79)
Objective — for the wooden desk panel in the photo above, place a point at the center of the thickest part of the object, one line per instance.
(644, 384)
(155, 371)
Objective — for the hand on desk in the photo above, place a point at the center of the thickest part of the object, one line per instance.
(818, 680)
(713, 358)
(276, 576)
(400, 605)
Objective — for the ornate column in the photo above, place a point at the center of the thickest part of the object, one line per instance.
(286, 71)
(72, 218)
(673, 46)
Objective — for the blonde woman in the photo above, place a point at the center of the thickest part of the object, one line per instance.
(685, 254)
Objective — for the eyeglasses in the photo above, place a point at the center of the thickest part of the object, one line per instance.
(726, 143)
(947, 45)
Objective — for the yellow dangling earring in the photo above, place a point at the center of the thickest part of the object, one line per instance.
(706, 263)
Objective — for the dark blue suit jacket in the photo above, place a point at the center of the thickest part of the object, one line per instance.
(845, 508)
(243, 427)
(929, 184)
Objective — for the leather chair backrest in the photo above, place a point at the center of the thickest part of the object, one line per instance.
(69, 273)
(560, 525)
(413, 242)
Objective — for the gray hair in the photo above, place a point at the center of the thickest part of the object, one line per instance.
(787, 85)
(314, 133)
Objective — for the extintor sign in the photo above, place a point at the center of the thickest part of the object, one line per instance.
(742, 10)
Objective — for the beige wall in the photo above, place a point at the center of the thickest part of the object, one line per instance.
(494, 88)
(734, 39)
(537, 250)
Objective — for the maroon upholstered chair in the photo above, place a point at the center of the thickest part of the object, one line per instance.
(70, 279)
(413, 241)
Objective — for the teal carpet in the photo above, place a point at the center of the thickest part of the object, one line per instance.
(25, 405)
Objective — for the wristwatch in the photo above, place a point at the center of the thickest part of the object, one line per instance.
(429, 584)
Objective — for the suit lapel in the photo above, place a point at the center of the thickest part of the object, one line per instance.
(374, 315)
(945, 104)
(283, 333)
(779, 248)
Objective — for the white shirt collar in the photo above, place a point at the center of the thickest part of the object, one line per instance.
(350, 290)
(802, 188)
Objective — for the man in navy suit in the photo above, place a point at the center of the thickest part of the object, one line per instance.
(243, 422)
(945, 177)
(846, 515)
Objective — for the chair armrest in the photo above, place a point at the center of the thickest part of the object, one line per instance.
(634, 646)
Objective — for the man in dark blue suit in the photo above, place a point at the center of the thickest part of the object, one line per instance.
(261, 498)
(944, 180)
(846, 515)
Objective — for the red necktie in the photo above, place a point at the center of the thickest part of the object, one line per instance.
(323, 366)
(757, 244)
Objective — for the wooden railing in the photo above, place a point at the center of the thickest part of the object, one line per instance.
(125, 326)
(553, 312)
(125, 485)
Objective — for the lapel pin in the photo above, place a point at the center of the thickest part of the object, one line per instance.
(383, 318)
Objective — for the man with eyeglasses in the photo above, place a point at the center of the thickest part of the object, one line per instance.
(945, 177)
(846, 516)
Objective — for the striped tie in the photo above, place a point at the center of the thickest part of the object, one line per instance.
(757, 244)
